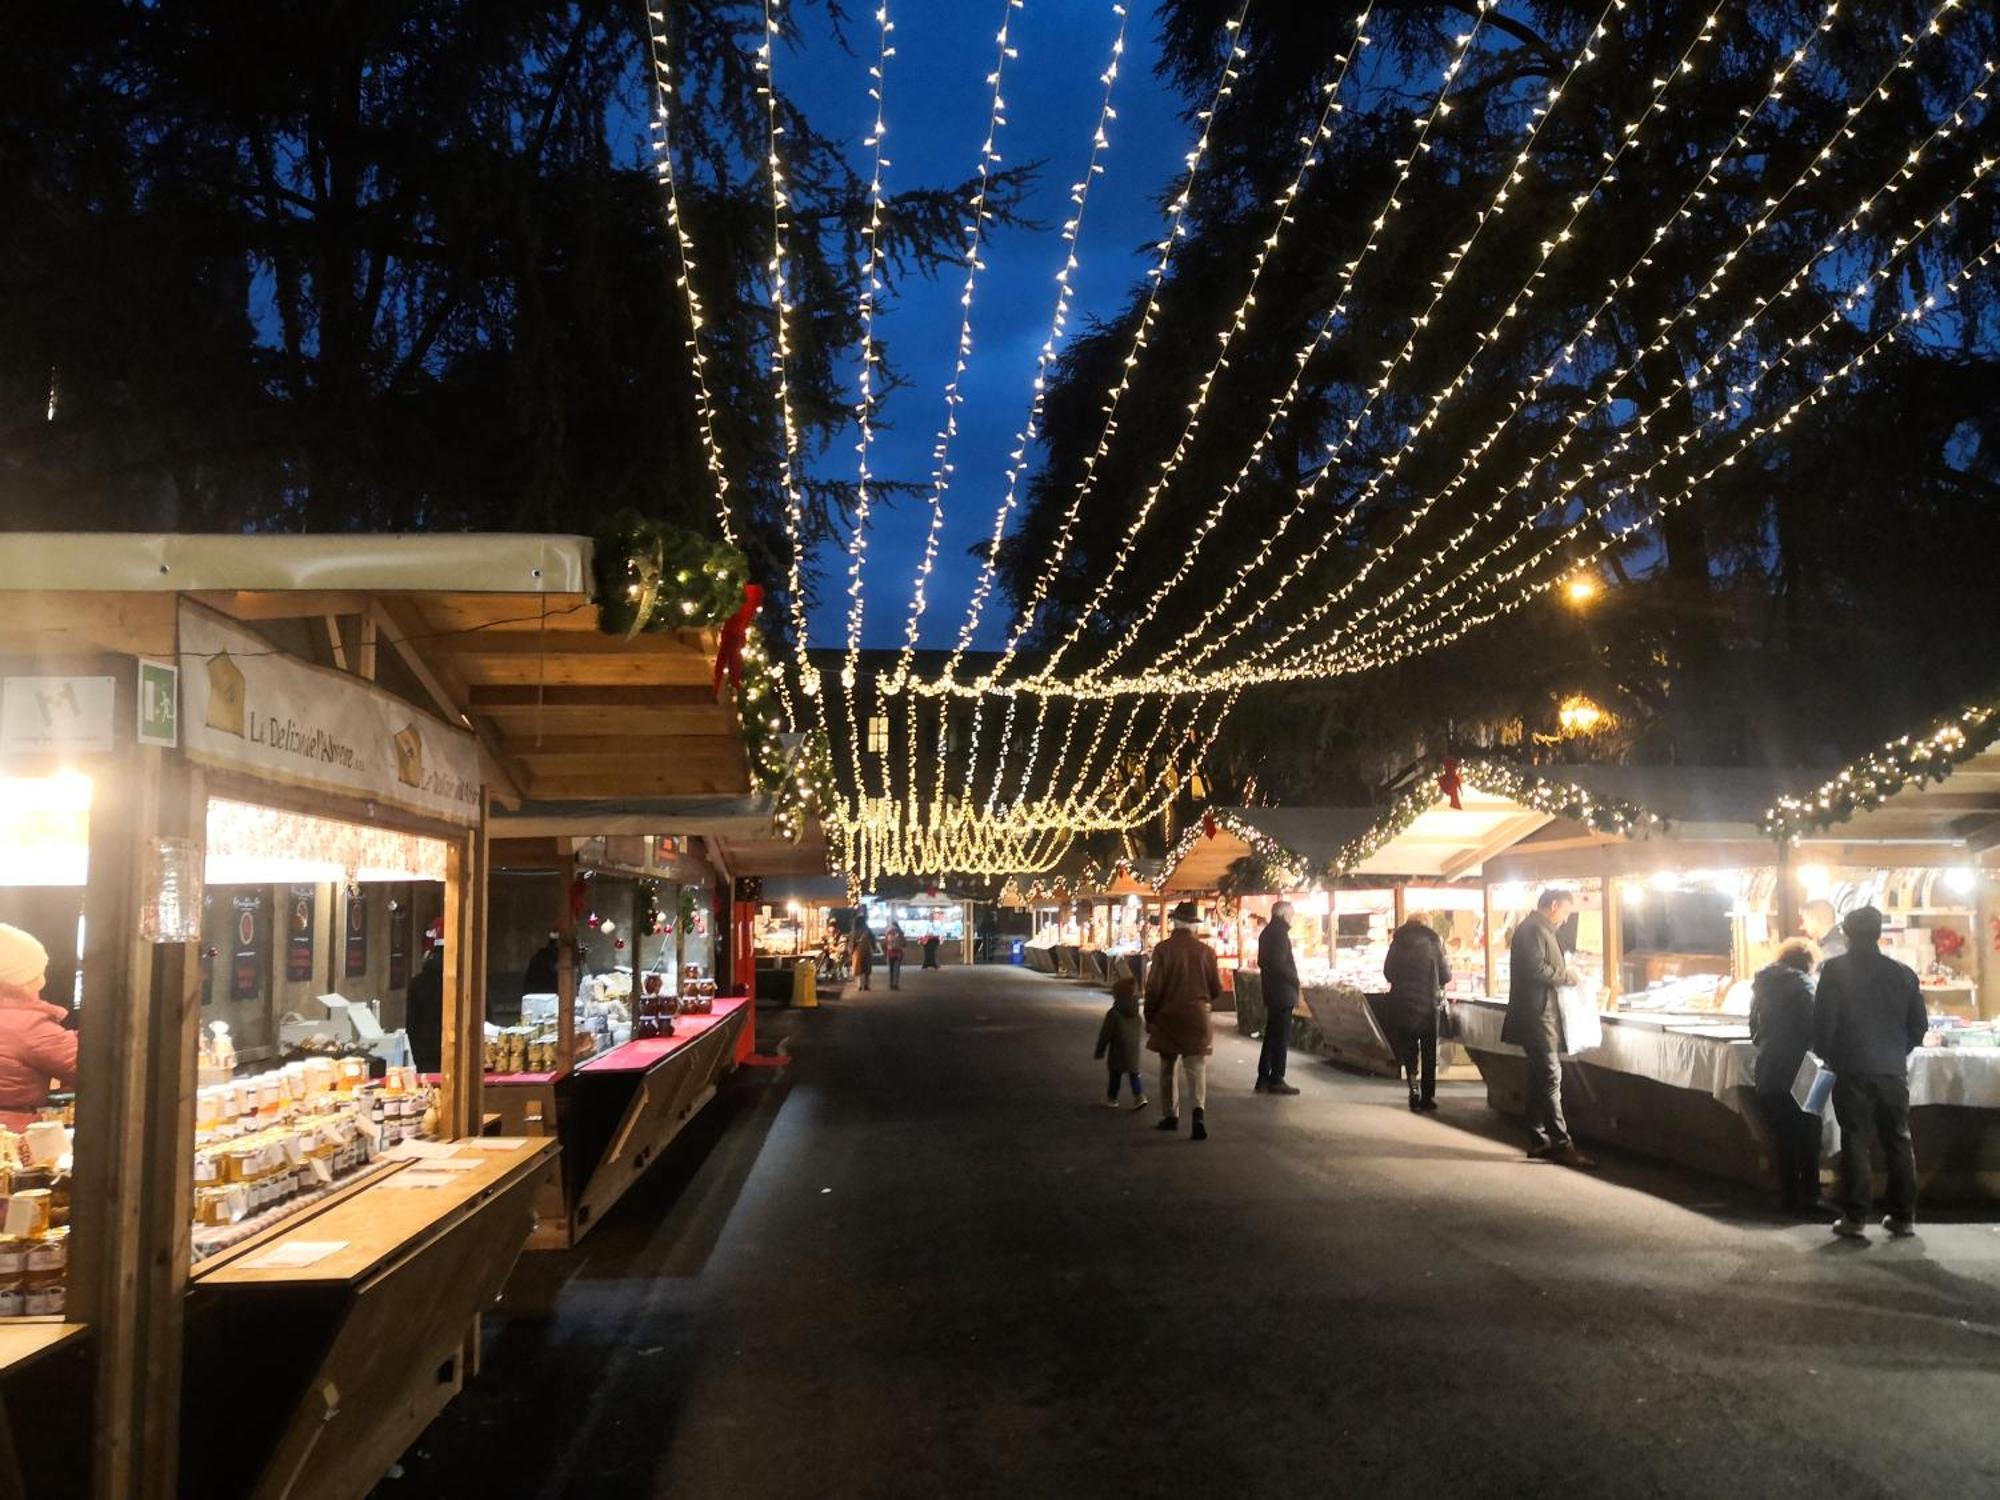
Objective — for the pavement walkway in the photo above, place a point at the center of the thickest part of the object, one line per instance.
(922, 1261)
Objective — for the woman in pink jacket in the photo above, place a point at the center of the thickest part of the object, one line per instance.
(35, 1047)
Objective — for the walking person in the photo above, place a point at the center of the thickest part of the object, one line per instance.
(1781, 1025)
(892, 954)
(864, 953)
(1278, 973)
(1121, 1043)
(1182, 985)
(1536, 969)
(1868, 1017)
(1417, 971)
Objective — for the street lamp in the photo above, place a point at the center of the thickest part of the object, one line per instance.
(1581, 590)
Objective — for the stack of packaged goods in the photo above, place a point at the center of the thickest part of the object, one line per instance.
(268, 1145)
(34, 1222)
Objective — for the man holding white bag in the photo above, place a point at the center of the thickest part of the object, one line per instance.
(1537, 970)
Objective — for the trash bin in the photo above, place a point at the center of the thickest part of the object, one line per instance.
(1017, 951)
(805, 984)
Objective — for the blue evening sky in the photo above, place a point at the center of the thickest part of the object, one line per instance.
(935, 105)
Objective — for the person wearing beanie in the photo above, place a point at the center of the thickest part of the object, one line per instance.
(1867, 1017)
(36, 1049)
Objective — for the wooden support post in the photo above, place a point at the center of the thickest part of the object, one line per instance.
(135, 1128)
(1614, 927)
(1486, 933)
(333, 639)
(1400, 896)
(566, 964)
(366, 663)
(1787, 892)
(462, 1056)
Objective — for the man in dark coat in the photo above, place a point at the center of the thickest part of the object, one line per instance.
(1182, 986)
(1417, 971)
(1278, 973)
(1781, 1022)
(1867, 1018)
(1537, 968)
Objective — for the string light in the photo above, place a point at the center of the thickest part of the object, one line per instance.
(1605, 402)
(1511, 308)
(871, 287)
(1495, 207)
(1711, 366)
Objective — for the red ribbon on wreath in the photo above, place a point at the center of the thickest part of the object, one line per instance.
(735, 631)
(1451, 783)
(1209, 827)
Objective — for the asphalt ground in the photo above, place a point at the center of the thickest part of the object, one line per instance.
(922, 1260)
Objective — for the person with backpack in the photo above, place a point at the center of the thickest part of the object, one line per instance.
(892, 954)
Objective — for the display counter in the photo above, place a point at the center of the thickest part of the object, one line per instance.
(1679, 1087)
(322, 1351)
(615, 1113)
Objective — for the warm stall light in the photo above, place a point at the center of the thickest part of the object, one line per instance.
(1961, 881)
(1578, 715)
(1631, 892)
(44, 829)
(251, 845)
(1312, 905)
(1510, 897)
(1581, 589)
(1665, 880)
(1814, 880)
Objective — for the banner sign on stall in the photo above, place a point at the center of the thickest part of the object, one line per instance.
(249, 707)
(247, 932)
(299, 932)
(57, 715)
(357, 935)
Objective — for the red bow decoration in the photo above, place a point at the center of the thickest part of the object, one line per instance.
(1451, 783)
(735, 630)
(1209, 826)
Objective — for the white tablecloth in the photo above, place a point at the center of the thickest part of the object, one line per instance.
(1724, 1068)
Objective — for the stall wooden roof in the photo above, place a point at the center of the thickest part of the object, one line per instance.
(1938, 788)
(498, 632)
(1309, 837)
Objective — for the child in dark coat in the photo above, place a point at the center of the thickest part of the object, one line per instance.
(1121, 1042)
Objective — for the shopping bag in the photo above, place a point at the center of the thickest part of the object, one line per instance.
(1812, 1085)
(1582, 1028)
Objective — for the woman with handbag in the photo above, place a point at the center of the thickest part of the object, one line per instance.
(1417, 971)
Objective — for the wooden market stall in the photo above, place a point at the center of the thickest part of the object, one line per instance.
(248, 773)
(1685, 890)
(617, 1035)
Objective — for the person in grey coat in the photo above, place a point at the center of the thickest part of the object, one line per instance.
(1417, 971)
(1868, 1017)
(1278, 973)
(1121, 1043)
(1537, 968)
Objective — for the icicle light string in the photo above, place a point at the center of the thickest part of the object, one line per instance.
(659, 55)
(1494, 207)
(1157, 278)
(1709, 369)
(977, 215)
(1412, 637)
(1208, 644)
(1045, 360)
(871, 289)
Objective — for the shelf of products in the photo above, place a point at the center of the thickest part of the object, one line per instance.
(35, 1167)
(272, 1144)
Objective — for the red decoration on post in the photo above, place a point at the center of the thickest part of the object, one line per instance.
(1451, 783)
(736, 630)
(1209, 827)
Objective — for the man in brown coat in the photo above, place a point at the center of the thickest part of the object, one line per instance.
(1182, 985)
